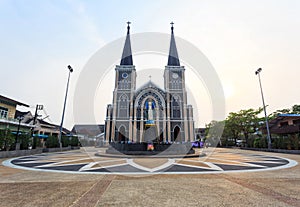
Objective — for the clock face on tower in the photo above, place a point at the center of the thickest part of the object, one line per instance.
(124, 75)
(175, 75)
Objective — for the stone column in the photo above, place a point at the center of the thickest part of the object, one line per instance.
(157, 121)
(134, 130)
(168, 119)
(141, 128)
(130, 121)
(164, 127)
(142, 123)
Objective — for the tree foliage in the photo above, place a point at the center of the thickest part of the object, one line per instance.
(214, 132)
(294, 110)
(243, 122)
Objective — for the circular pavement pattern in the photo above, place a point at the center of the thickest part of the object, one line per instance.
(85, 162)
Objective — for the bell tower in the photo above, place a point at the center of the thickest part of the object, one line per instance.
(177, 108)
(121, 111)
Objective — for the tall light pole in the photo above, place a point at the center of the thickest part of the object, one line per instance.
(257, 72)
(63, 113)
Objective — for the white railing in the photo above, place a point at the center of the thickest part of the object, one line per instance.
(14, 122)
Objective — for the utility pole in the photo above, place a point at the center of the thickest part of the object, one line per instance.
(38, 107)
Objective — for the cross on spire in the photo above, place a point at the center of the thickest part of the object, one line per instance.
(172, 26)
(150, 77)
(128, 27)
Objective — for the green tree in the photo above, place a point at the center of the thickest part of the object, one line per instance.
(214, 132)
(277, 112)
(232, 129)
(296, 109)
(245, 122)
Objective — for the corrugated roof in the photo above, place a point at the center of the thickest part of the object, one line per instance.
(289, 115)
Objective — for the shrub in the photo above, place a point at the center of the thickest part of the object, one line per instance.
(251, 142)
(25, 141)
(263, 142)
(7, 139)
(256, 142)
(74, 141)
(52, 142)
(294, 139)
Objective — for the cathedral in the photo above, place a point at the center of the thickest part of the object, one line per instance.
(149, 113)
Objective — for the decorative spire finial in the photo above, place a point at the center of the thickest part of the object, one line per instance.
(172, 26)
(128, 27)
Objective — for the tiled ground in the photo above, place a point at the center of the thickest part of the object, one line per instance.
(85, 161)
(248, 187)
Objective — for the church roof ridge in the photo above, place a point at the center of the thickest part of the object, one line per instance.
(149, 84)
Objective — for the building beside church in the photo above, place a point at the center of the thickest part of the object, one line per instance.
(149, 113)
(10, 117)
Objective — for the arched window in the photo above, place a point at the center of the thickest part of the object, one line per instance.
(123, 106)
(175, 107)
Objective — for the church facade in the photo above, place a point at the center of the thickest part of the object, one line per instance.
(149, 113)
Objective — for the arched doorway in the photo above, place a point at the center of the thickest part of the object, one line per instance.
(177, 134)
(121, 134)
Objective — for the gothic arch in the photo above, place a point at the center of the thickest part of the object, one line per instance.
(122, 133)
(123, 108)
(140, 95)
(176, 107)
(177, 134)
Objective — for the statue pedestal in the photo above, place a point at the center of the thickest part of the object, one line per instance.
(150, 133)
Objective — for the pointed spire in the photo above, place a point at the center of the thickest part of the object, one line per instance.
(127, 55)
(173, 59)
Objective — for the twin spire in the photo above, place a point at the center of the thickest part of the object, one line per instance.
(173, 59)
(127, 55)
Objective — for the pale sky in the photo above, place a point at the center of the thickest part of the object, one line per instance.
(38, 39)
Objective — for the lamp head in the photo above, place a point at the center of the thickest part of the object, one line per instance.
(70, 68)
(258, 71)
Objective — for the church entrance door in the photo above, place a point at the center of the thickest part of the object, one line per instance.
(121, 136)
(177, 134)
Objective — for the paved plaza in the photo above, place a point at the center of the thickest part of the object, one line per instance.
(225, 177)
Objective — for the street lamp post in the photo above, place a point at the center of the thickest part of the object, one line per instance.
(257, 72)
(63, 113)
